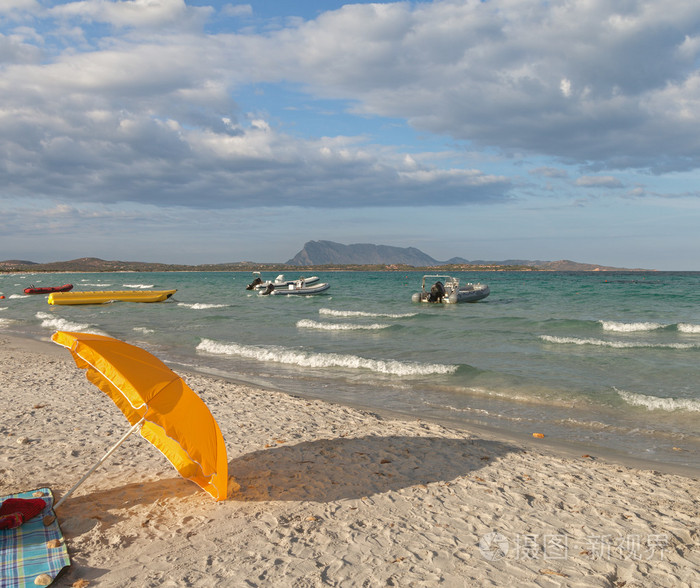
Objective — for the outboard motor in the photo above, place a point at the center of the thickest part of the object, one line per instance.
(269, 289)
(254, 283)
(437, 292)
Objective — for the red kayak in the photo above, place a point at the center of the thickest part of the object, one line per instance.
(48, 289)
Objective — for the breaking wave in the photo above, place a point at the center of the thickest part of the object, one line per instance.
(323, 360)
(139, 286)
(201, 305)
(309, 324)
(144, 330)
(617, 344)
(687, 328)
(57, 323)
(655, 403)
(349, 313)
(630, 327)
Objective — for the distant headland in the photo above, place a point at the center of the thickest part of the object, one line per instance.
(318, 256)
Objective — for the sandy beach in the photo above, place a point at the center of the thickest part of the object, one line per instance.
(328, 495)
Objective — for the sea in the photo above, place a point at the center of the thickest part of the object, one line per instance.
(603, 362)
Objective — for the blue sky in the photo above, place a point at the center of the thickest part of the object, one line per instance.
(201, 131)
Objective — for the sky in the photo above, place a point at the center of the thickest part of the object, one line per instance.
(199, 131)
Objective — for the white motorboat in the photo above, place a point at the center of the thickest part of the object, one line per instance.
(299, 288)
(278, 282)
(447, 290)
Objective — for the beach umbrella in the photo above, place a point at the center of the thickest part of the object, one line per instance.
(156, 400)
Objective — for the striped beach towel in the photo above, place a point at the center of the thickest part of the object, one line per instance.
(32, 550)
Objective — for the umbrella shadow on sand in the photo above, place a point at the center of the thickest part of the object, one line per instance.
(344, 468)
(322, 470)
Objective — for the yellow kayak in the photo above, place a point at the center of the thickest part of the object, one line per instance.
(105, 296)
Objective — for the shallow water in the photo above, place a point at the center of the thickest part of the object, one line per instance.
(608, 359)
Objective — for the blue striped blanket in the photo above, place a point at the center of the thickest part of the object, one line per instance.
(26, 552)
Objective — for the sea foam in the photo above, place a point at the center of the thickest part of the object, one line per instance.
(351, 313)
(655, 403)
(323, 360)
(56, 323)
(617, 344)
(309, 324)
(201, 305)
(630, 327)
(688, 328)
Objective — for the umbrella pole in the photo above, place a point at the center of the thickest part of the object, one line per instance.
(104, 457)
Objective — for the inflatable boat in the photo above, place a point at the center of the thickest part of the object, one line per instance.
(447, 290)
(47, 289)
(297, 288)
(278, 282)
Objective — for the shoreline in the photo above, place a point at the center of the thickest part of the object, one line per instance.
(559, 447)
(327, 494)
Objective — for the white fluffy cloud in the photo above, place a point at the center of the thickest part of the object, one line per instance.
(610, 83)
(599, 182)
(144, 106)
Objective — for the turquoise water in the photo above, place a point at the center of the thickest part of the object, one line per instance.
(607, 359)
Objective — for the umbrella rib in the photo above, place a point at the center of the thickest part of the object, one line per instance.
(73, 349)
(106, 377)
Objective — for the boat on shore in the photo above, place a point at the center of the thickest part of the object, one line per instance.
(47, 289)
(298, 288)
(447, 290)
(279, 282)
(107, 296)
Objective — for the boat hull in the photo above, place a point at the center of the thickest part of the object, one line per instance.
(467, 294)
(462, 295)
(106, 296)
(292, 290)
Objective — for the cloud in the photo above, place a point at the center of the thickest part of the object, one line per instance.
(612, 84)
(599, 182)
(237, 10)
(549, 172)
(151, 119)
(565, 87)
(146, 108)
(10, 7)
(127, 13)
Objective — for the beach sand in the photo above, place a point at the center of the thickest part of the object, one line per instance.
(328, 495)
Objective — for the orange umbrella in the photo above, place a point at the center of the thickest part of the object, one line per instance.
(171, 416)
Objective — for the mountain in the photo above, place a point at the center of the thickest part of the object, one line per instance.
(94, 264)
(324, 253)
(10, 263)
(330, 253)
